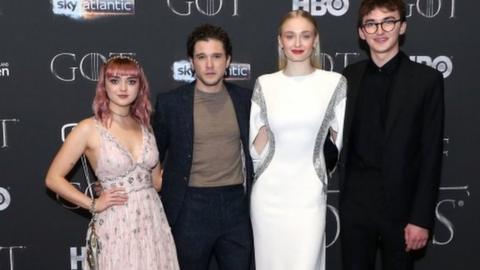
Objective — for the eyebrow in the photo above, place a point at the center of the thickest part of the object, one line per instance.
(117, 76)
(384, 19)
(303, 32)
(204, 54)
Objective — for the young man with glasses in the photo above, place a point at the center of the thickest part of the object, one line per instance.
(390, 163)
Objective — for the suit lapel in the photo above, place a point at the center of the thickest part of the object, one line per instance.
(397, 97)
(353, 89)
(239, 110)
(187, 108)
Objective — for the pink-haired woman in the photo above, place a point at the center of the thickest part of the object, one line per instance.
(118, 142)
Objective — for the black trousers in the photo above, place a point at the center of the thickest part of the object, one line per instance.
(214, 221)
(365, 230)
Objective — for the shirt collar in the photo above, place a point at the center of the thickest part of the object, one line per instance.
(390, 67)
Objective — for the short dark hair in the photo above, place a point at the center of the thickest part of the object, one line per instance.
(205, 32)
(391, 5)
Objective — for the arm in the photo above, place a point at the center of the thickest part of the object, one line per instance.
(160, 127)
(332, 147)
(421, 219)
(336, 128)
(157, 177)
(258, 127)
(431, 149)
(74, 146)
(260, 140)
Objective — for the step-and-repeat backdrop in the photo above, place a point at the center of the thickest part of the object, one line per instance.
(50, 52)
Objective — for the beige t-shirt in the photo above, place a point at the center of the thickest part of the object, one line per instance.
(216, 157)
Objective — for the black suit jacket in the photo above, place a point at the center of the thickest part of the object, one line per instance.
(173, 126)
(413, 142)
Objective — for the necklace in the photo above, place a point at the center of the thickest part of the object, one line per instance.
(119, 114)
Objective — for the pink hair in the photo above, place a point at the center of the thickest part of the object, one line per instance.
(141, 108)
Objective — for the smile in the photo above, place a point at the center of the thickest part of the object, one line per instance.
(381, 39)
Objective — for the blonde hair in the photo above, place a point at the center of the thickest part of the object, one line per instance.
(315, 56)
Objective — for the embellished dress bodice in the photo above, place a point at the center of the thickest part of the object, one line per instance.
(135, 235)
(116, 166)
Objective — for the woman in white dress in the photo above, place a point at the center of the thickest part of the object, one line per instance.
(292, 112)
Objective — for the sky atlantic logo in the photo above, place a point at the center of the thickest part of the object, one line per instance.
(5, 199)
(92, 9)
(322, 7)
(441, 63)
(4, 69)
(182, 71)
(67, 66)
(204, 7)
(431, 8)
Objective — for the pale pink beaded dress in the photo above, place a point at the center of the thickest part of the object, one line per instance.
(134, 236)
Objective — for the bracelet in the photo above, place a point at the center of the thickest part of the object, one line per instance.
(92, 207)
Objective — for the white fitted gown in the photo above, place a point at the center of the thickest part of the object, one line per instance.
(288, 200)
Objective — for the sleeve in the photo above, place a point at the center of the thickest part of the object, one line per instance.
(160, 127)
(431, 148)
(257, 121)
(339, 111)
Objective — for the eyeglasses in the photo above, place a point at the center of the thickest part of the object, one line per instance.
(387, 26)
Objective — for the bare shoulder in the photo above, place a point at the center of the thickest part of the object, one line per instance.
(84, 133)
(86, 126)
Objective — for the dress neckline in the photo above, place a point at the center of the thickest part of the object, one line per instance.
(298, 76)
(117, 142)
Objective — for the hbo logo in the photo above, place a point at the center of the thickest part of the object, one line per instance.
(441, 63)
(4, 199)
(322, 7)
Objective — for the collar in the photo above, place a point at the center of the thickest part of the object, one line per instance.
(390, 67)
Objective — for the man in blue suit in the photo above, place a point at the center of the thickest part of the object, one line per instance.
(202, 136)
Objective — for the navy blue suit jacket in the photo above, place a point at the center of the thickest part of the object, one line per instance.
(173, 126)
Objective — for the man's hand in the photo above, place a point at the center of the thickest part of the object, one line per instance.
(415, 237)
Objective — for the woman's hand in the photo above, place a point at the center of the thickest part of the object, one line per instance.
(109, 198)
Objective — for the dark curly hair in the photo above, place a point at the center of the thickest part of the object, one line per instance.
(391, 5)
(205, 32)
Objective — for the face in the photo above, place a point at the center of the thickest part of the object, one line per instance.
(122, 90)
(298, 39)
(209, 62)
(382, 42)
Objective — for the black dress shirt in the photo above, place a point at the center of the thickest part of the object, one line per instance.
(368, 129)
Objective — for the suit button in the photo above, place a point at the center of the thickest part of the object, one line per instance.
(185, 178)
(189, 156)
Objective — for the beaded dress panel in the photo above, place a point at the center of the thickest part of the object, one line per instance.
(135, 235)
